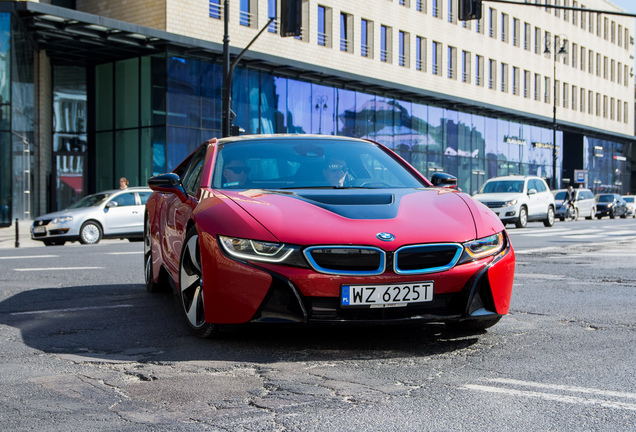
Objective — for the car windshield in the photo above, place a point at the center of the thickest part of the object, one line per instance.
(629, 199)
(502, 186)
(90, 201)
(309, 163)
(606, 198)
(560, 196)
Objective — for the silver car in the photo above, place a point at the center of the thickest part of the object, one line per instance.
(631, 205)
(584, 203)
(116, 213)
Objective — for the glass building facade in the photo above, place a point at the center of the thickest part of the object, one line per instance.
(140, 116)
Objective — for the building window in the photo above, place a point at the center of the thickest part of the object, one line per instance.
(385, 44)
(420, 53)
(626, 76)
(546, 90)
(598, 104)
(515, 81)
(598, 64)
(537, 40)
(575, 93)
(526, 84)
(619, 71)
(492, 23)
(436, 8)
(611, 108)
(505, 31)
(420, 5)
(272, 12)
(575, 14)
(613, 32)
(582, 101)
(515, 32)
(613, 70)
(247, 15)
(405, 48)
(492, 74)
(566, 95)
(527, 36)
(625, 112)
(346, 32)
(583, 59)
(590, 102)
(626, 40)
(452, 62)
(465, 66)
(216, 9)
(366, 38)
(479, 70)
(590, 61)
(619, 35)
(324, 26)
(437, 58)
(504, 78)
(537, 87)
(619, 107)
(605, 108)
(479, 26)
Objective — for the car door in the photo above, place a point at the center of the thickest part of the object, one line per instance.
(122, 214)
(176, 214)
(535, 206)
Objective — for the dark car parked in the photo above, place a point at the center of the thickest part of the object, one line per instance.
(611, 205)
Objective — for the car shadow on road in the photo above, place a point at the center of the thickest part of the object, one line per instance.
(125, 323)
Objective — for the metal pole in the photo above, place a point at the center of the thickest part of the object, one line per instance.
(17, 234)
(225, 120)
(554, 118)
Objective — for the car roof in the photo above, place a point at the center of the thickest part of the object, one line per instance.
(130, 189)
(262, 137)
(515, 177)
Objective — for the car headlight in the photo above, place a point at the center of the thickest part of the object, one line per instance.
(62, 219)
(483, 247)
(510, 203)
(254, 250)
(609, 205)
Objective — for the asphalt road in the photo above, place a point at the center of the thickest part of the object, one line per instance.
(83, 346)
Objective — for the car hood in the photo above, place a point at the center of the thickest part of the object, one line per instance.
(354, 216)
(72, 212)
(492, 197)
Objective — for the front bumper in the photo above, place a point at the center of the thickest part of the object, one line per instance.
(240, 292)
(52, 232)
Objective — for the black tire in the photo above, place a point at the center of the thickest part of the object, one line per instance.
(599, 217)
(151, 286)
(592, 214)
(473, 325)
(549, 220)
(191, 287)
(612, 214)
(90, 233)
(522, 222)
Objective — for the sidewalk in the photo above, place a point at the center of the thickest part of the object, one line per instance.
(7, 236)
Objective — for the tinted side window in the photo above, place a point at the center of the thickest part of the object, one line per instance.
(192, 178)
(541, 187)
(143, 196)
(123, 200)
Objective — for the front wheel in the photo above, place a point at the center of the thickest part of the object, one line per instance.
(90, 233)
(613, 214)
(549, 220)
(592, 214)
(522, 222)
(191, 289)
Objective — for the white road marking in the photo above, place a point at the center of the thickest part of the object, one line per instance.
(125, 253)
(29, 257)
(595, 395)
(57, 268)
(71, 309)
(553, 397)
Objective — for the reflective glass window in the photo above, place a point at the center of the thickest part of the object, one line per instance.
(127, 93)
(323, 108)
(184, 90)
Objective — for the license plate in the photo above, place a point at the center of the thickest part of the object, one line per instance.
(39, 230)
(380, 296)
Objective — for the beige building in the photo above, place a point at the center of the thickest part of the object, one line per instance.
(129, 87)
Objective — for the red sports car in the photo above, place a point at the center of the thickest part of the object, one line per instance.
(321, 229)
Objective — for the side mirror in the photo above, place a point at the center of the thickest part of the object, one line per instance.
(532, 191)
(110, 204)
(444, 180)
(168, 183)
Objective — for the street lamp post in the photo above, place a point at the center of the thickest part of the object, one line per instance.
(321, 105)
(560, 41)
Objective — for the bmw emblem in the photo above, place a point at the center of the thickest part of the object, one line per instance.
(385, 236)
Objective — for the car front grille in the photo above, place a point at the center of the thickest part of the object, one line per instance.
(368, 260)
(493, 204)
(428, 258)
(42, 222)
(347, 260)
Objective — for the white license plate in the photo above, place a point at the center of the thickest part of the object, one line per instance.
(39, 230)
(394, 295)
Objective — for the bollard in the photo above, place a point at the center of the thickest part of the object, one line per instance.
(17, 234)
